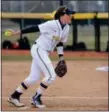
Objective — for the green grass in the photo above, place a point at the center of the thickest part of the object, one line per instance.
(25, 58)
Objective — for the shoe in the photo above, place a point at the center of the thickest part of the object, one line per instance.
(36, 101)
(15, 102)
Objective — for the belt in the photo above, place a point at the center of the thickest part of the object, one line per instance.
(35, 42)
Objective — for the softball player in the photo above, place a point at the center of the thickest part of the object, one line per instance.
(53, 34)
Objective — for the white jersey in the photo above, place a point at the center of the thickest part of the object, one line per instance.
(51, 34)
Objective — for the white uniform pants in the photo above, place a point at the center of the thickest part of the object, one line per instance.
(40, 63)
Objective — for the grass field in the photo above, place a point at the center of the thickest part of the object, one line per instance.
(24, 58)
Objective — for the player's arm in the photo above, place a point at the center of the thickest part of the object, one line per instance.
(29, 29)
(61, 67)
(60, 52)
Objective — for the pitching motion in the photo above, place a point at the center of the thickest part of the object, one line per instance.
(53, 34)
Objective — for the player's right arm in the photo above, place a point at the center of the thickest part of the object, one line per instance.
(29, 29)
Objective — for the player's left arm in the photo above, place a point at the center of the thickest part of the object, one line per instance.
(61, 68)
(60, 50)
(60, 45)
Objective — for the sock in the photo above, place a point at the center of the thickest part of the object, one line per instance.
(22, 87)
(41, 89)
(16, 95)
(18, 92)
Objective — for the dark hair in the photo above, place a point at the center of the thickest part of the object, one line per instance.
(59, 12)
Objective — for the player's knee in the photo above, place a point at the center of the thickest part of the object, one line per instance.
(30, 80)
(50, 79)
(53, 77)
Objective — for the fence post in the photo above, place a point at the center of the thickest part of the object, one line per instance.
(97, 33)
(61, 2)
(75, 32)
(21, 35)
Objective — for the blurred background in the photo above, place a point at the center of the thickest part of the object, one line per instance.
(51, 5)
(85, 34)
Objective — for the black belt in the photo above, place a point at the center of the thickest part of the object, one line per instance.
(35, 42)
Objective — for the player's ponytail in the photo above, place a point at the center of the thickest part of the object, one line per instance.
(59, 12)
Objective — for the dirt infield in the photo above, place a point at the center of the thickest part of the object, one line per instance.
(83, 88)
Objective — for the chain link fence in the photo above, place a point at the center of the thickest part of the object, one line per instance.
(49, 6)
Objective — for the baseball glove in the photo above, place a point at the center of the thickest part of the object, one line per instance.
(61, 68)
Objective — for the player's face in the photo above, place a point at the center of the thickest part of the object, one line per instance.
(67, 18)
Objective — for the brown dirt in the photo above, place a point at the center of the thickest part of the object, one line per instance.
(83, 88)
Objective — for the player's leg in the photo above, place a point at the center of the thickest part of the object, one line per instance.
(32, 78)
(48, 70)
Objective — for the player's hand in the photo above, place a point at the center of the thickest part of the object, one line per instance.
(61, 58)
(10, 32)
(16, 33)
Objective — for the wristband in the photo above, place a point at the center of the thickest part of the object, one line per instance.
(60, 50)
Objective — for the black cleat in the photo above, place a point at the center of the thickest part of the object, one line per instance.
(36, 101)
